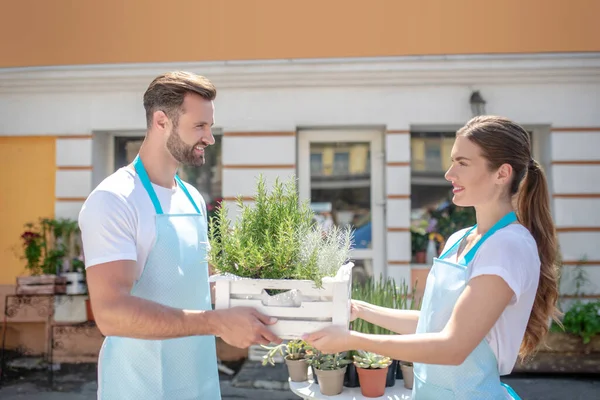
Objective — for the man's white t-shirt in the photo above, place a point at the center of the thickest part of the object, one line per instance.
(117, 220)
(510, 253)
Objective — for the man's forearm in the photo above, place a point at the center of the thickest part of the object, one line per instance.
(399, 321)
(142, 319)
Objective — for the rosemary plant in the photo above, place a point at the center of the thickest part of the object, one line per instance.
(276, 238)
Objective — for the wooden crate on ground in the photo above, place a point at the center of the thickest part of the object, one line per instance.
(41, 284)
(303, 308)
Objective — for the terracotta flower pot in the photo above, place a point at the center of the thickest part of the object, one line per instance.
(407, 375)
(297, 369)
(331, 382)
(372, 381)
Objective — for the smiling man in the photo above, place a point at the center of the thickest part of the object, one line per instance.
(145, 242)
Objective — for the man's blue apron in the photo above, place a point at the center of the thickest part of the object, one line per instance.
(477, 377)
(175, 275)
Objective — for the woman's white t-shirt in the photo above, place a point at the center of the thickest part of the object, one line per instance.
(510, 253)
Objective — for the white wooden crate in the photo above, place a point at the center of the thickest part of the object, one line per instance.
(314, 308)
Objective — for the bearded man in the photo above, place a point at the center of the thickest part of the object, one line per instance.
(145, 243)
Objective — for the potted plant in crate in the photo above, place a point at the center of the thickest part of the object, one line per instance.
(275, 246)
(372, 371)
(295, 358)
(329, 370)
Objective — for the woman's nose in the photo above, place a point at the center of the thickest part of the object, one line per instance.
(449, 175)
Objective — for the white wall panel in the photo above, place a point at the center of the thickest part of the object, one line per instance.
(397, 146)
(572, 146)
(590, 284)
(67, 209)
(73, 152)
(73, 183)
(577, 245)
(398, 214)
(264, 150)
(399, 245)
(576, 178)
(397, 180)
(575, 212)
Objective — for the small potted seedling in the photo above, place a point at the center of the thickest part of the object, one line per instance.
(407, 373)
(295, 352)
(372, 372)
(329, 369)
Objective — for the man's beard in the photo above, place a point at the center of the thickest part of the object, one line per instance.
(182, 152)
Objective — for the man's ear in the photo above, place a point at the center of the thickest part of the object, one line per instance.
(160, 120)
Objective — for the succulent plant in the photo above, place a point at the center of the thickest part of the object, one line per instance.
(294, 350)
(322, 361)
(365, 359)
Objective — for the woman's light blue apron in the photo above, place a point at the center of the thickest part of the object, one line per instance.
(477, 377)
(175, 275)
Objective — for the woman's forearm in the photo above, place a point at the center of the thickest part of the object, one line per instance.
(428, 348)
(399, 321)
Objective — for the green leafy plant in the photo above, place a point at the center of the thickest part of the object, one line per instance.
(583, 319)
(418, 238)
(384, 293)
(368, 360)
(323, 361)
(294, 350)
(49, 243)
(276, 238)
(453, 218)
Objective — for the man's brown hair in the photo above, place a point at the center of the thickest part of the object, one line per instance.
(167, 92)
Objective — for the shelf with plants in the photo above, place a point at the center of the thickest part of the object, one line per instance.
(52, 252)
(274, 258)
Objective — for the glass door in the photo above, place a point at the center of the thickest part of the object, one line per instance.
(341, 173)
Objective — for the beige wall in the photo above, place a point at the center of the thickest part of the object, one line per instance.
(61, 32)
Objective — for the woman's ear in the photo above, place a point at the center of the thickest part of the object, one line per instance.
(504, 174)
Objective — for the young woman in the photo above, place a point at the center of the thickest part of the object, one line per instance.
(489, 296)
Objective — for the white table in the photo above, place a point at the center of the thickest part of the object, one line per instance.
(310, 390)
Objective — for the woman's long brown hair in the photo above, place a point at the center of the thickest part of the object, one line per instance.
(505, 142)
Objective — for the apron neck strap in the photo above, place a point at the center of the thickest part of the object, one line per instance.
(503, 222)
(141, 171)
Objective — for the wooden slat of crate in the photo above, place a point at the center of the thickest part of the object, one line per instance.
(320, 307)
(256, 286)
(312, 310)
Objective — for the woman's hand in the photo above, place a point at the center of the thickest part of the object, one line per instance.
(333, 339)
(355, 309)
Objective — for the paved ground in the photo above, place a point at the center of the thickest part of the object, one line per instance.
(78, 383)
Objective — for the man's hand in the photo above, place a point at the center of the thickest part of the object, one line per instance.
(244, 326)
